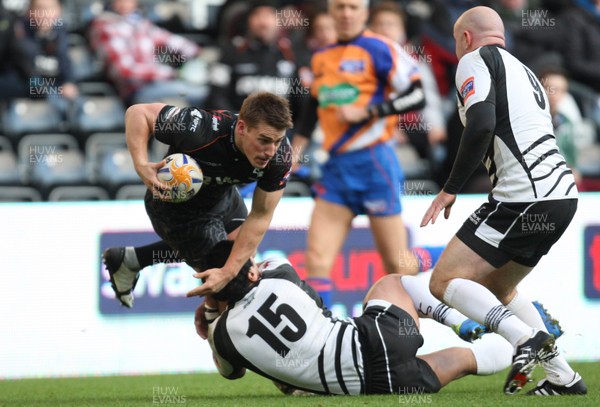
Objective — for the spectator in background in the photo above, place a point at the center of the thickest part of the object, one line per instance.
(321, 33)
(572, 134)
(141, 59)
(435, 35)
(36, 63)
(581, 42)
(425, 131)
(533, 34)
(259, 61)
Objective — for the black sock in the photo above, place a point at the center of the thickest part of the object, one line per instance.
(159, 252)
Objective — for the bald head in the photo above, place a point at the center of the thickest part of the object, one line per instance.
(477, 27)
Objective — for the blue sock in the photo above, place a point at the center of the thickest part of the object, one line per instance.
(323, 286)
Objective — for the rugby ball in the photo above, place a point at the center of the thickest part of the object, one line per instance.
(183, 174)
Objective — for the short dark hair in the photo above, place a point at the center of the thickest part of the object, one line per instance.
(268, 108)
(387, 7)
(240, 285)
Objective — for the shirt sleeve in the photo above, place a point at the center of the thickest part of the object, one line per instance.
(473, 82)
(405, 70)
(188, 129)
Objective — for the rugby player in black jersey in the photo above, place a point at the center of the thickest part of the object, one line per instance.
(231, 149)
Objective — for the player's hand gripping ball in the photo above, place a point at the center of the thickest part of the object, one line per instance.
(183, 174)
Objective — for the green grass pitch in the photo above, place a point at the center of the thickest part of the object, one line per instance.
(252, 390)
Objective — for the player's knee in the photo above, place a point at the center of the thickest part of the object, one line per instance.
(316, 263)
(391, 266)
(437, 286)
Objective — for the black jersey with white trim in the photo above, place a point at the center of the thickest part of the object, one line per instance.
(523, 160)
(280, 330)
(208, 137)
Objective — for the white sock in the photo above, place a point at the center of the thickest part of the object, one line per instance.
(478, 303)
(130, 259)
(427, 305)
(557, 369)
(492, 354)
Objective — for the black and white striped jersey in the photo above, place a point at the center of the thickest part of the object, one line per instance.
(280, 330)
(523, 160)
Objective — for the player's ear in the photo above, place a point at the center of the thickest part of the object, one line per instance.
(468, 39)
(242, 126)
(253, 274)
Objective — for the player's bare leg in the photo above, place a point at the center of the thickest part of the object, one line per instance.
(328, 229)
(390, 289)
(503, 281)
(455, 281)
(391, 241)
(451, 364)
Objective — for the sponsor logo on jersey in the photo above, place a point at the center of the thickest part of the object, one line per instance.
(352, 65)
(220, 180)
(340, 94)
(195, 113)
(468, 88)
(257, 173)
(216, 120)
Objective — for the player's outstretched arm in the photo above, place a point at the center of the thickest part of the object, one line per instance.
(246, 243)
(139, 126)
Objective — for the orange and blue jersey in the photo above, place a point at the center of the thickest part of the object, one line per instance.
(370, 69)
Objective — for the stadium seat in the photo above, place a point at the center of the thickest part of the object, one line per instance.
(131, 192)
(91, 114)
(24, 116)
(588, 161)
(84, 65)
(9, 169)
(79, 193)
(97, 145)
(96, 89)
(116, 168)
(59, 168)
(19, 194)
(36, 150)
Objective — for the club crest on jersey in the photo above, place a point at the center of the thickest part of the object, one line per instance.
(352, 65)
(467, 89)
(257, 173)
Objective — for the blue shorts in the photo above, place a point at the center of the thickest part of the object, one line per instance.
(367, 181)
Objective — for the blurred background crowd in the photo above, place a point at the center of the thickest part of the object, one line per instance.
(70, 68)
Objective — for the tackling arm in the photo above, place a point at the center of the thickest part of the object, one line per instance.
(253, 229)
(249, 237)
